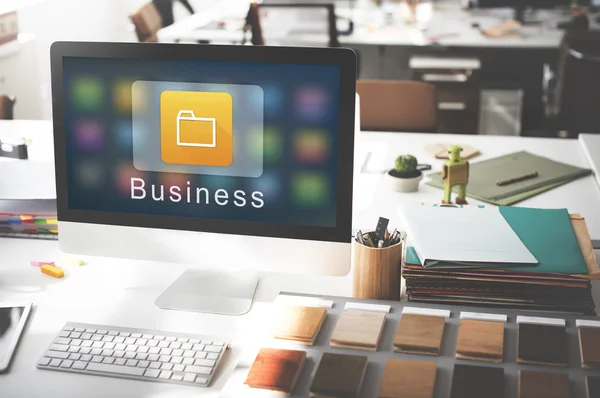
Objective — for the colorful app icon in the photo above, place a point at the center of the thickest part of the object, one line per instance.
(310, 189)
(266, 144)
(123, 173)
(90, 175)
(122, 101)
(311, 146)
(196, 128)
(311, 103)
(89, 135)
(87, 94)
(122, 131)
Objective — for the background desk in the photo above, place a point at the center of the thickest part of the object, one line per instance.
(119, 292)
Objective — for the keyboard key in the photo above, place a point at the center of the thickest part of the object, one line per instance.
(198, 369)
(119, 354)
(85, 350)
(131, 348)
(147, 336)
(212, 348)
(74, 357)
(108, 339)
(194, 341)
(188, 354)
(66, 364)
(108, 360)
(120, 347)
(125, 334)
(98, 344)
(176, 360)
(143, 364)
(166, 366)
(102, 332)
(68, 328)
(198, 347)
(152, 373)
(163, 344)
(141, 356)
(44, 361)
(186, 346)
(55, 363)
(206, 342)
(96, 337)
(109, 346)
(96, 351)
(108, 353)
(182, 339)
(90, 331)
(164, 358)
(218, 343)
(188, 361)
(97, 358)
(85, 336)
(154, 350)
(165, 374)
(73, 349)
(120, 361)
(152, 343)
(131, 362)
(130, 355)
(119, 340)
(177, 376)
(200, 355)
(62, 340)
(166, 351)
(189, 377)
(177, 353)
(87, 343)
(130, 340)
(212, 355)
(79, 365)
(153, 357)
(204, 362)
(86, 358)
(80, 330)
(159, 337)
(124, 370)
(74, 335)
(201, 380)
(178, 368)
(170, 338)
(174, 344)
(113, 333)
(141, 342)
(143, 349)
(76, 342)
(136, 335)
(61, 348)
(57, 354)
(155, 365)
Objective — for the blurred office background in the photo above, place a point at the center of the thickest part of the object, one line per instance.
(501, 67)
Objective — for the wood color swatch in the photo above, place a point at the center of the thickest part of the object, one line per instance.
(480, 340)
(538, 384)
(542, 344)
(589, 345)
(592, 384)
(339, 376)
(470, 381)
(300, 324)
(408, 379)
(359, 330)
(275, 369)
(419, 334)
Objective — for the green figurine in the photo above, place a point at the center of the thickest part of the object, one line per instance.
(455, 173)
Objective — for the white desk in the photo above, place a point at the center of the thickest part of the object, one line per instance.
(118, 292)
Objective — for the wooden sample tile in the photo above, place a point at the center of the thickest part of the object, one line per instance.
(275, 369)
(480, 340)
(470, 381)
(339, 376)
(408, 379)
(300, 324)
(539, 384)
(592, 385)
(359, 330)
(542, 344)
(589, 346)
(419, 334)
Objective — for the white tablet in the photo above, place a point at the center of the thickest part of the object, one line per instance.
(13, 317)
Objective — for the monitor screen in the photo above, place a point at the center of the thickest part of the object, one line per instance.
(253, 142)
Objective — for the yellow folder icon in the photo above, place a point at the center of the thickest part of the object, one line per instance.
(196, 128)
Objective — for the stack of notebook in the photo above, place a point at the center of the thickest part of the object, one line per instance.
(28, 219)
(440, 266)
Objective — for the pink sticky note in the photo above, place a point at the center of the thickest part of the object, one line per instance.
(40, 263)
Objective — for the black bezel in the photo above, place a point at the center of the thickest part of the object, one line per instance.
(344, 58)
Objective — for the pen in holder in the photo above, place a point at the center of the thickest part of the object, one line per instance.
(376, 270)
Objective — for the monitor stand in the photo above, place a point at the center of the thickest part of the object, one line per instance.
(213, 292)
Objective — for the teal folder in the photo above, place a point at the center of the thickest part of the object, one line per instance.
(547, 233)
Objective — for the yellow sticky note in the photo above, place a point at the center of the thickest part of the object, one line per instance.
(52, 271)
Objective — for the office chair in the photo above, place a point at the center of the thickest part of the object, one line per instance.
(147, 22)
(407, 106)
(7, 104)
(573, 95)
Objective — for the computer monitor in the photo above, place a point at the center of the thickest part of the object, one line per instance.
(521, 5)
(229, 157)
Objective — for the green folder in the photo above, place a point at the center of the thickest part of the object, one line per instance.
(484, 175)
(547, 233)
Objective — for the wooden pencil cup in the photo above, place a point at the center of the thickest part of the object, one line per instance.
(377, 272)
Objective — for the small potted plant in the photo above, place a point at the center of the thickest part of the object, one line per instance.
(405, 176)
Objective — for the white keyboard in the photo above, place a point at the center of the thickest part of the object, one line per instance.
(134, 354)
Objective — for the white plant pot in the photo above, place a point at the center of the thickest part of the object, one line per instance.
(403, 184)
